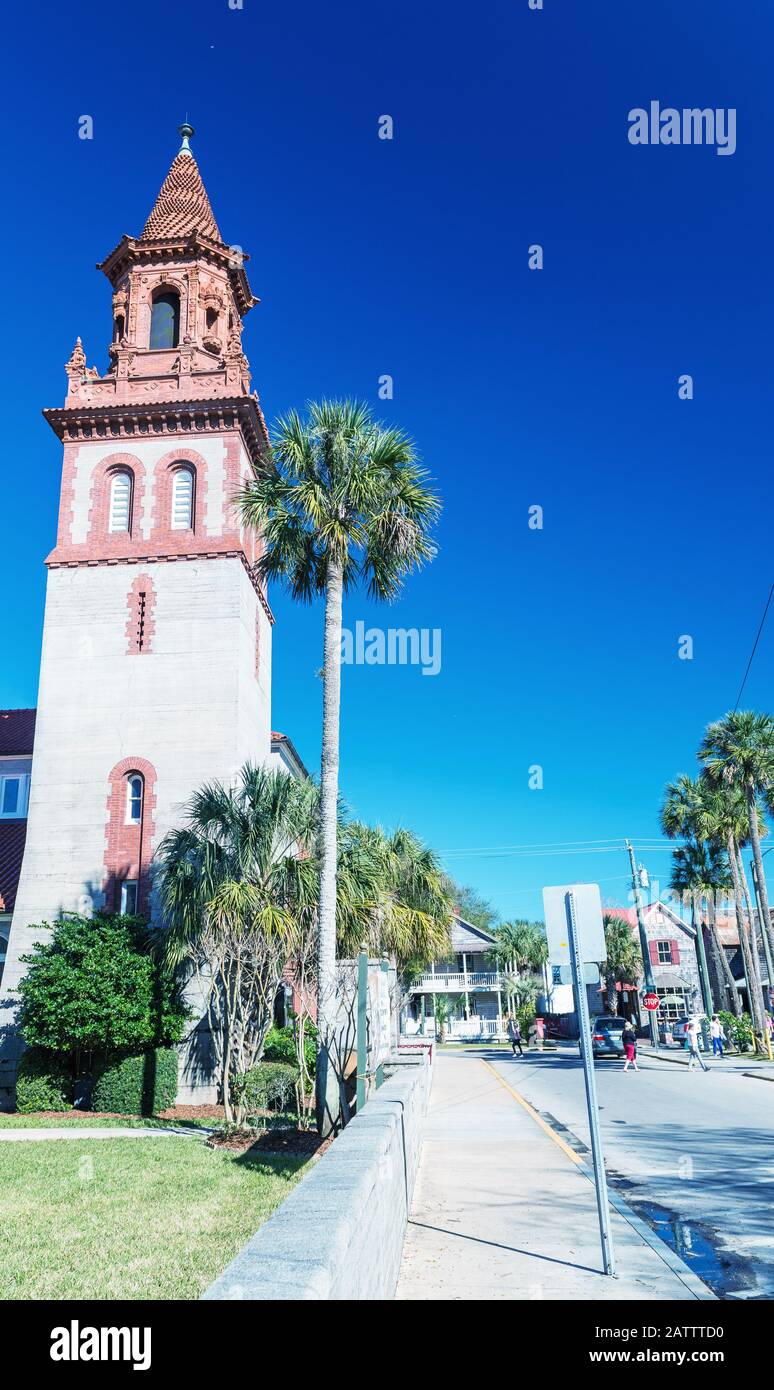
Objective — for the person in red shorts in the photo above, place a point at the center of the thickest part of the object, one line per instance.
(629, 1040)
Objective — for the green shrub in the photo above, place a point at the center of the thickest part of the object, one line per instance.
(269, 1086)
(43, 1082)
(280, 1046)
(94, 985)
(140, 1084)
(738, 1031)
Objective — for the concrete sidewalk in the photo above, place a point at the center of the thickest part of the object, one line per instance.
(502, 1209)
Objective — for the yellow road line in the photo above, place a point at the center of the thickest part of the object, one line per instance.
(576, 1158)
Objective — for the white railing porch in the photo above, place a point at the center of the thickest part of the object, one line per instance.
(454, 982)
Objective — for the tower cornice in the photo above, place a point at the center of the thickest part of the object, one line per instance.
(159, 419)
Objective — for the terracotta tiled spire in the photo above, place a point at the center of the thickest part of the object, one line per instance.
(182, 204)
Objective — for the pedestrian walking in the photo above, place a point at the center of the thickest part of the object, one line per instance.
(692, 1036)
(514, 1033)
(629, 1039)
(718, 1036)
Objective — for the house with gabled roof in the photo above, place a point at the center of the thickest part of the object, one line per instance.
(468, 979)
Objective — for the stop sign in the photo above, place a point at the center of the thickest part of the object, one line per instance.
(651, 1001)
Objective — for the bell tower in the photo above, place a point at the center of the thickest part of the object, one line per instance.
(156, 661)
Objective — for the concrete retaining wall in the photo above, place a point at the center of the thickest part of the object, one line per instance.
(340, 1233)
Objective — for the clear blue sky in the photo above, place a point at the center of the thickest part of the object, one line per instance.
(557, 388)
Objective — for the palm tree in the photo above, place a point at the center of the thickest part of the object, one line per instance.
(700, 874)
(739, 751)
(722, 817)
(686, 882)
(234, 884)
(623, 961)
(519, 946)
(340, 500)
(443, 1011)
(702, 868)
(407, 905)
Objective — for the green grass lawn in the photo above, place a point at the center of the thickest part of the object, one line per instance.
(111, 1218)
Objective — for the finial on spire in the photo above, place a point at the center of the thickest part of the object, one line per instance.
(186, 131)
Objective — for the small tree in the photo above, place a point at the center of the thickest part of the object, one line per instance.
(95, 987)
(235, 882)
(622, 963)
(443, 1012)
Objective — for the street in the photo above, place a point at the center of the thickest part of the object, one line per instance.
(691, 1152)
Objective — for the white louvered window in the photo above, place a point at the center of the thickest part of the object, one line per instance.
(182, 499)
(120, 502)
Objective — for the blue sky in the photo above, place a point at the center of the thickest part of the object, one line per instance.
(556, 388)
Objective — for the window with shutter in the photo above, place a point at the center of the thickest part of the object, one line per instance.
(120, 502)
(182, 499)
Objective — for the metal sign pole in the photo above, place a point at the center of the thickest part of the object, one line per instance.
(581, 1004)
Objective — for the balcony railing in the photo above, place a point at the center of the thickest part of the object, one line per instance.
(463, 1028)
(453, 982)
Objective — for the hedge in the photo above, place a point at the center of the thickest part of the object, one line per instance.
(269, 1086)
(280, 1046)
(140, 1084)
(43, 1082)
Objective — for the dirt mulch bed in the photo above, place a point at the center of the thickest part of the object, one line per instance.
(192, 1112)
(294, 1143)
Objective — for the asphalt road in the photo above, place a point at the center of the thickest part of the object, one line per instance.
(693, 1152)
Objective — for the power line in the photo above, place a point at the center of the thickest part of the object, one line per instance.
(752, 653)
(615, 840)
(514, 853)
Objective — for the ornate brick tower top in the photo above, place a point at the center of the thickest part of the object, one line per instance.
(179, 296)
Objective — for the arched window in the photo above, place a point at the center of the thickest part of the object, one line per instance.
(134, 789)
(165, 321)
(120, 502)
(182, 499)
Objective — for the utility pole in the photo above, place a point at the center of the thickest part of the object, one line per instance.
(650, 985)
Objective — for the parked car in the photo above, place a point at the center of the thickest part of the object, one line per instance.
(607, 1036)
(680, 1032)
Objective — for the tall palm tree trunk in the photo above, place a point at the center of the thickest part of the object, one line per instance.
(755, 841)
(706, 989)
(754, 945)
(751, 974)
(328, 1082)
(724, 973)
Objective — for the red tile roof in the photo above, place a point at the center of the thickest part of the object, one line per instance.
(13, 833)
(17, 731)
(182, 204)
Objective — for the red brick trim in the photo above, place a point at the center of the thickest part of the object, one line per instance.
(129, 848)
(64, 533)
(140, 625)
(99, 540)
(178, 542)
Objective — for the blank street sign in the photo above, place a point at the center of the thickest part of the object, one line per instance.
(588, 916)
(590, 974)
